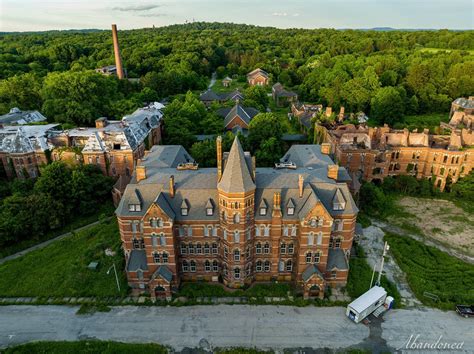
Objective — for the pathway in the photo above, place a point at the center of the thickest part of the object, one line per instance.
(47, 243)
(213, 80)
(207, 327)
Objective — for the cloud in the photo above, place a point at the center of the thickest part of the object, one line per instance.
(280, 14)
(136, 8)
(296, 15)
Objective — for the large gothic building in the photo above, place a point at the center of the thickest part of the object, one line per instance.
(237, 224)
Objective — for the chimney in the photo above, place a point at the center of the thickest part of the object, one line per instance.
(328, 111)
(118, 59)
(141, 171)
(325, 148)
(219, 157)
(300, 185)
(276, 200)
(172, 187)
(332, 171)
(101, 122)
(254, 168)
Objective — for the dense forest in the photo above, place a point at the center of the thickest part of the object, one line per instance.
(386, 74)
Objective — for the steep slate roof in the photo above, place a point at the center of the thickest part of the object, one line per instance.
(210, 95)
(16, 116)
(26, 138)
(163, 272)
(337, 259)
(310, 271)
(236, 177)
(245, 113)
(137, 260)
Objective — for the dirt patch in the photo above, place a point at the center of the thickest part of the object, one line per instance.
(438, 219)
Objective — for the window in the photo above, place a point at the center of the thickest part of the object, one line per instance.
(215, 266)
(164, 258)
(207, 266)
(184, 211)
(207, 249)
(289, 265)
(160, 222)
(209, 211)
(237, 273)
(310, 239)
(266, 266)
(258, 266)
(257, 231)
(185, 266)
(236, 255)
(236, 236)
(156, 257)
(192, 266)
(337, 226)
(154, 240)
(198, 249)
(206, 231)
(138, 243)
(214, 231)
(214, 248)
(291, 248)
(308, 257)
(283, 248)
(331, 242)
(266, 248)
(140, 274)
(184, 248)
(285, 230)
(162, 239)
(313, 222)
(293, 230)
(181, 231)
(236, 218)
(337, 243)
(191, 248)
(134, 207)
(190, 231)
(317, 257)
(226, 252)
(263, 211)
(153, 223)
(267, 231)
(291, 211)
(258, 248)
(334, 274)
(225, 234)
(319, 240)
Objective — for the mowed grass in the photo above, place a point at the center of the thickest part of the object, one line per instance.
(60, 269)
(431, 270)
(89, 347)
(234, 85)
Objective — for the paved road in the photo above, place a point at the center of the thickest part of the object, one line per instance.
(48, 242)
(264, 327)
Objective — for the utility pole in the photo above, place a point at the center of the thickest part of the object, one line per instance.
(116, 276)
(386, 247)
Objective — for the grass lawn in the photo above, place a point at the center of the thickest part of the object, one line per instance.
(360, 275)
(89, 347)
(60, 269)
(234, 85)
(430, 121)
(106, 209)
(282, 114)
(431, 270)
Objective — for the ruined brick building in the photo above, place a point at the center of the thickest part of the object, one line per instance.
(237, 224)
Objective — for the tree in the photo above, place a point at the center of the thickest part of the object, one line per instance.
(373, 201)
(263, 127)
(258, 96)
(204, 153)
(22, 91)
(270, 151)
(387, 106)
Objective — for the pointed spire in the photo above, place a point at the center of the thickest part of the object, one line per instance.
(236, 177)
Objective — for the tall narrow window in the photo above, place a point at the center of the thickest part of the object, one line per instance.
(164, 258)
(291, 248)
(236, 255)
(237, 273)
(283, 248)
(308, 257)
(215, 266)
(258, 248)
(207, 266)
(266, 266)
(319, 240)
(214, 248)
(266, 248)
(317, 257)
(156, 257)
(192, 266)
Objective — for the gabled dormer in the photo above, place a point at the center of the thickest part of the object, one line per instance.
(290, 207)
(135, 202)
(210, 207)
(338, 201)
(184, 208)
(263, 207)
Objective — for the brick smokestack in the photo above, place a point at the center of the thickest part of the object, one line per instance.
(118, 59)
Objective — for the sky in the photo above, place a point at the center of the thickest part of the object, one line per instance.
(39, 15)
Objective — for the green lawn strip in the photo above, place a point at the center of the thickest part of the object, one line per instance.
(234, 85)
(60, 269)
(431, 270)
(289, 127)
(360, 275)
(430, 121)
(201, 289)
(89, 347)
(104, 210)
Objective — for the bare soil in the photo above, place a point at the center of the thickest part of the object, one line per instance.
(437, 219)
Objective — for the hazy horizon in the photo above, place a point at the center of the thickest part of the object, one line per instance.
(36, 15)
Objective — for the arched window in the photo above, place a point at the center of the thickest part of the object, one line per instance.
(311, 239)
(319, 238)
(215, 266)
(337, 242)
(226, 252)
(214, 248)
(283, 248)
(191, 248)
(207, 249)
(192, 266)
(291, 248)
(236, 255)
(289, 265)
(207, 266)
(266, 266)
(184, 248)
(160, 222)
(257, 231)
(236, 218)
(237, 273)
(198, 248)
(258, 248)
(153, 222)
(185, 266)
(156, 257)
(317, 257)
(266, 248)
(308, 257)
(164, 258)
(258, 266)
(236, 236)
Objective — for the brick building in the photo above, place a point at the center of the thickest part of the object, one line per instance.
(238, 117)
(375, 153)
(18, 117)
(462, 113)
(237, 224)
(114, 146)
(258, 77)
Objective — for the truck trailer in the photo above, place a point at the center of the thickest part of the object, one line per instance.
(365, 304)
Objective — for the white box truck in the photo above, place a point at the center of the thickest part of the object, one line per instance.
(365, 304)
